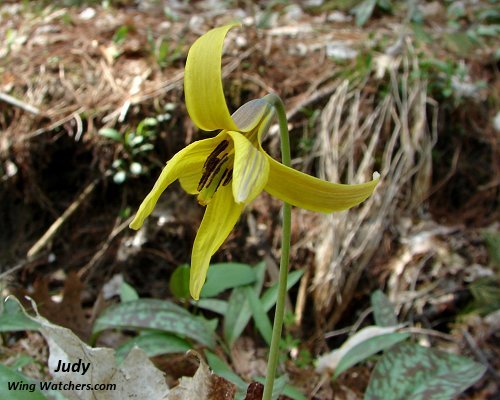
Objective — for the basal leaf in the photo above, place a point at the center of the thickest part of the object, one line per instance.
(364, 11)
(237, 316)
(410, 371)
(368, 348)
(260, 317)
(222, 369)
(153, 344)
(383, 310)
(215, 305)
(270, 296)
(179, 282)
(13, 318)
(221, 277)
(238, 311)
(155, 314)
(285, 389)
(15, 386)
(112, 134)
(127, 293)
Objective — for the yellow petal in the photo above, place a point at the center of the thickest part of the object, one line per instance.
(250, 170)
(187, 159)
(190, 177)
(204, 95)
(314, 194)
(221, 215)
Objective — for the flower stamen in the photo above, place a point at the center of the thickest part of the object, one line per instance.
(216, 171)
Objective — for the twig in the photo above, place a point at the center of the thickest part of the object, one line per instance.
(20, 104)
(430, 332)
(118, 229)
(12, 270)
(49, 234)
(479, 354)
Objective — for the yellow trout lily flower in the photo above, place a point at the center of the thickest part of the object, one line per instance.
(228, 171)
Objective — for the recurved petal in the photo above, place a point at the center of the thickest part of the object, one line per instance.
(203, 90)
(314, 194)
(221, 215)
(250, 171)
(187, 159)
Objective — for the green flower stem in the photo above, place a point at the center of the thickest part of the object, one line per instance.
(285, 253)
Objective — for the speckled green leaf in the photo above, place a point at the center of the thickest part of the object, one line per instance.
(155, 314)
(383, 310)
(221, 277)
(368, 348)
(153, 344)
(410, 371)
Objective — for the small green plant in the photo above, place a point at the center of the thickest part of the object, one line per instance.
(164, 327)
(163, 50)
(364, 10)
(290, 345)
(405, 369)
(121, 34)
(135, 145)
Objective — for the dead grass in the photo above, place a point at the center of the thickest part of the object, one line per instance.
(358, 135)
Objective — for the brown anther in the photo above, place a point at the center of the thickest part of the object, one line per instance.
(228, 177)
(218, 149)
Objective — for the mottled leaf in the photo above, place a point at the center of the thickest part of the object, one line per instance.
(332, 360)
(410, 371)
(153, 344)
(368, 348)
(383, 310)
(155, 314)
(221, 277)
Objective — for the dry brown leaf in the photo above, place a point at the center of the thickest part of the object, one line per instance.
(68, 312)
